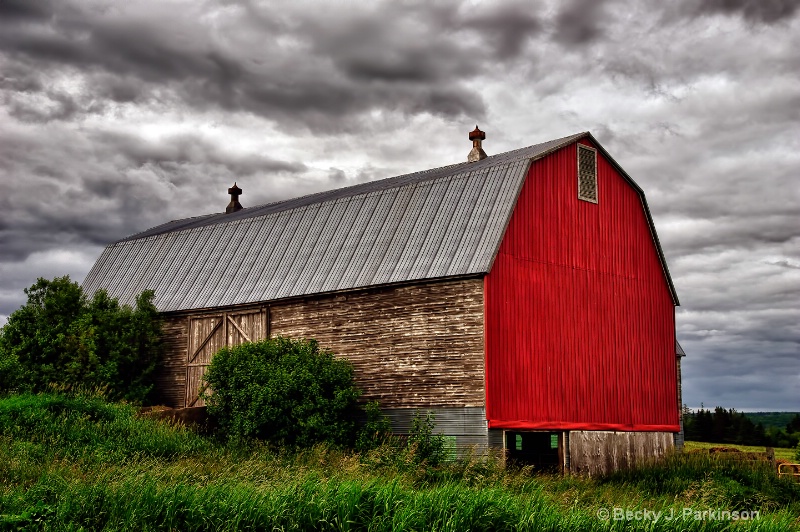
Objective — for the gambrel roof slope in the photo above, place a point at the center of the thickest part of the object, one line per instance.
(437, 223)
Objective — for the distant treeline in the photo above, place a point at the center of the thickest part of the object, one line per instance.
(730, 426)
(778, 420)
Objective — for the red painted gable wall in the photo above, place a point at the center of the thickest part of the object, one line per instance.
(580, 323)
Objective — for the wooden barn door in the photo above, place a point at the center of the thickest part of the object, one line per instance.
(210, 333)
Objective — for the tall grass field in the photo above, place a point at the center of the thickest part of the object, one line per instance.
(79, 463)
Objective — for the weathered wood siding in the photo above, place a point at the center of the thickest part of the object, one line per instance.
(206, 337)
(595, 453)
(185, 335)
(210, 333)
(412, 346)
(170, 375)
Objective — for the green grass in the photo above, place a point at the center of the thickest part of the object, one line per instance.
(781, 453)
(77, 463)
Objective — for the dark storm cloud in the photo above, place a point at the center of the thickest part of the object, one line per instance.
(506, 27)
(763, 375)
(413, 57)
(187, 149)
(784, 263)
(424, 43)
(766, 11)
(579, 22)
(94, 189)
(25, 10)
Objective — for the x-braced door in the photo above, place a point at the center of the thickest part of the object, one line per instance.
(210, 333)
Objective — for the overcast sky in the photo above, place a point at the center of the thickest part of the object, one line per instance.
(118, 116)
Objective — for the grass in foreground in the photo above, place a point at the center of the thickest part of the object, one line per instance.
(69, 463)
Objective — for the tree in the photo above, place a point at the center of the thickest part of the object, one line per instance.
(284, 391)
(793, 425)
(60, 337)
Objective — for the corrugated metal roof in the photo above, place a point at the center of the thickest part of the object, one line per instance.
(443, 222)
(530, 152)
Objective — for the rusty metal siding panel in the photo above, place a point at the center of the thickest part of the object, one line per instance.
(579, 319)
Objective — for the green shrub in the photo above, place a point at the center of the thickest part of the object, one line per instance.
(61, 338)
(427, 447)
(376, 430)
(283, 391)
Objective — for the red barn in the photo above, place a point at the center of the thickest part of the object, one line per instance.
(523, 298)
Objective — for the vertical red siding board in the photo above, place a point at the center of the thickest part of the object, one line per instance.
(575, 294)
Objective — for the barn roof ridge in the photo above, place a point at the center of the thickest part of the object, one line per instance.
(433, 224)
(534, 151)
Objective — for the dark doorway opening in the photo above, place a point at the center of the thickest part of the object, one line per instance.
(542, 450)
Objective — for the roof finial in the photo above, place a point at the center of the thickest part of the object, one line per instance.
(234, 205)
(477, 153)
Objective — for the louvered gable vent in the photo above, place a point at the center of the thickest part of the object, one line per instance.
(587, 173)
